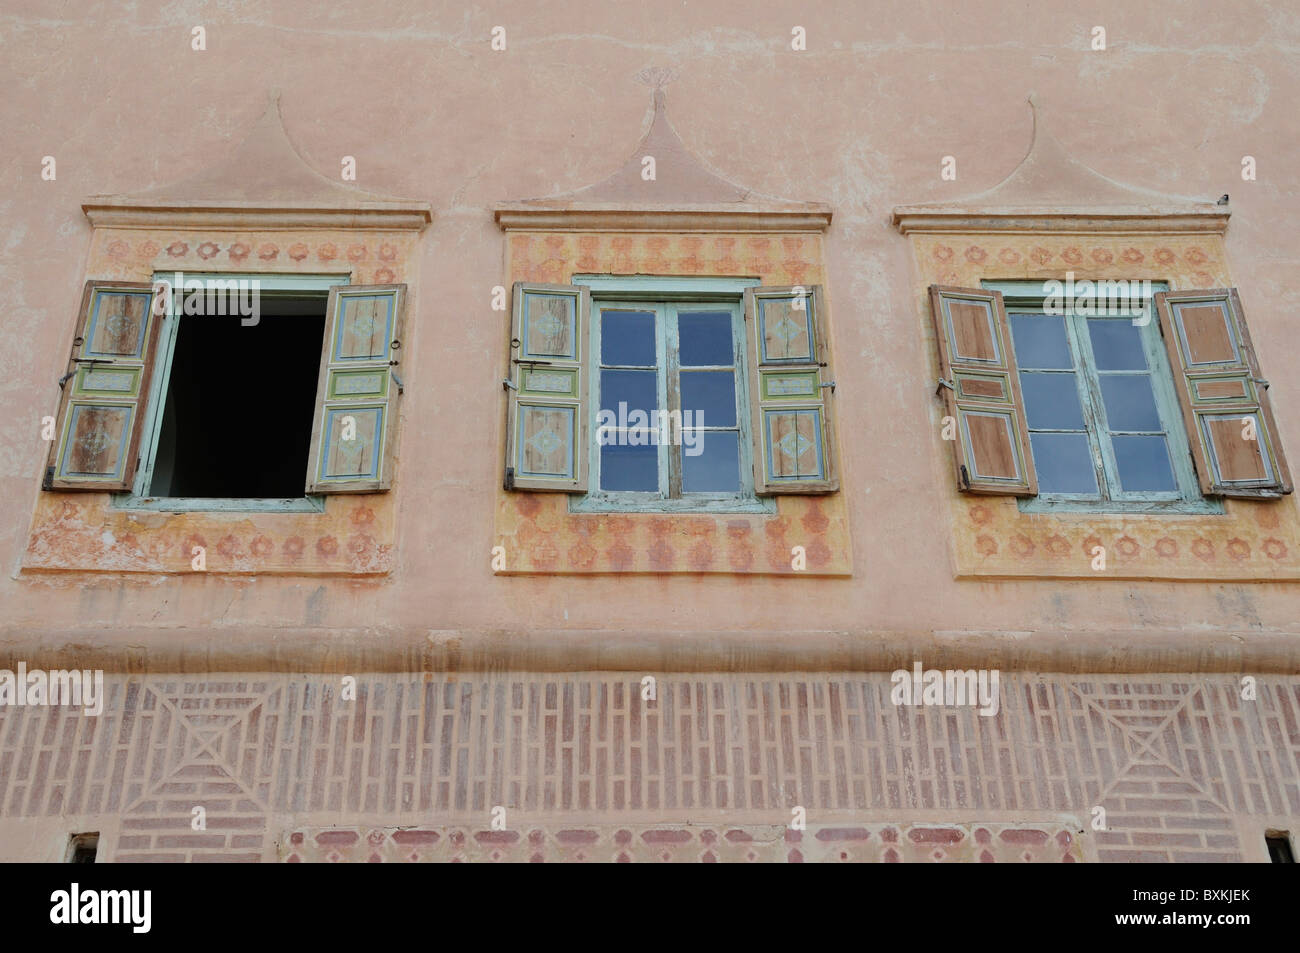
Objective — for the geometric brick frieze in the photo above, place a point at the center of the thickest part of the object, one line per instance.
(667, 843)
(1182, 766)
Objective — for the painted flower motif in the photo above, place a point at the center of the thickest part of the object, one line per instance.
(387, 252)
(228, 546)
(192, 541)
(267, 251)
(1091, 543)
(176, 249)
(327, 252)
(292, 546)
(1203, 549)
(1040, 255)
(1274, 548)
(979, 515)
(1009, 256)
(358, 545)
(238, 251)
(262, 546)
(1058, 545)
(1166, 547)
(327, 546)
(298, 251)
(1127, 546)
(1238, 548)
(362, 516)
(356, 252)
(1131, 256)
(1196, 256)
(147, 249)
(1072, 256)
(1164, 256)
(208, 250)
(119, 249)
(985, 545)
(385, 276)
(1102, 256)
(976, 255)
(1022, 545)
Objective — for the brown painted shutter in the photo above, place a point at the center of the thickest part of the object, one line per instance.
(981, 390)
(1223, 394)
(101, 412)
(547, 411)
(791, 384)
(358, 392)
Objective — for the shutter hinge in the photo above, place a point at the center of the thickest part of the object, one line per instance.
(1259, 380)
(831, 385)
(965, 478)
(941, 383)
(47, 481)
(401, 389)
(508, 384)
(510, 478)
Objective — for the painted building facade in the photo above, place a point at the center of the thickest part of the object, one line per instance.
(475, 631)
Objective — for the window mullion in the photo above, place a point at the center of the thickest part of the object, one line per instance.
(1094, 409)
(670, 472)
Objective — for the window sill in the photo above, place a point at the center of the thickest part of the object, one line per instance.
(1201, 507)
(601, 503)
(163, 504)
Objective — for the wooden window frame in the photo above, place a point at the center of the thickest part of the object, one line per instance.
(1027, 297)
(668, 297)
(139, 498)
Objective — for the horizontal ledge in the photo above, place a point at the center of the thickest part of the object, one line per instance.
(1212, 219)
(403, 216)
(709, 217)
(410, 648)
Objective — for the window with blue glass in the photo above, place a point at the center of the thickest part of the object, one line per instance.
(671, 420)
(1105, 428)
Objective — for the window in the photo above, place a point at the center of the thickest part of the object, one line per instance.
(83, 848)
(1279, 847)
(1102, 415)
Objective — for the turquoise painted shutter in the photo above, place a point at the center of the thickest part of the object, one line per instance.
(791, 390)
(354, 434)
(101, 411)
(547, 409)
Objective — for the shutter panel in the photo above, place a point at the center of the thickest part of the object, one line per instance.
(791, 384)
(546, 422)
(1223, 394)
(981, 391)
(101, 412)
(358, 394)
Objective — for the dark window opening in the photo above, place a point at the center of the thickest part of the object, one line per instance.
(238, 413)
(1279, 847)
(82, 848)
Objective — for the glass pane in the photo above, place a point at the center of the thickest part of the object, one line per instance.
(624, 467)
(1143, 463)
(627, 337)
(1063, 462)
(710, 462)
(704, 337)
(1130, 402)
(1051, 401)
(1040, 340)
(709, 397)
(1117, 345)
(635, 390)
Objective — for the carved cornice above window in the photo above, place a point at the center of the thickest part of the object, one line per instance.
(263, 184)
(1052, 191)
(682, 195)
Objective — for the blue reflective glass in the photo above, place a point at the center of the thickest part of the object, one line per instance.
(1130, 402)
(1051, 401)
(704, 338)
(710, 396)
(1063, 462)
(1143, 463)
(716, 468)
(1117, 344)
(624, 467)
(627, 338)
(638, 390)
(1040, 341)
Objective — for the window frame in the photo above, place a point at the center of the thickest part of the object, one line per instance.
(1028, 296)
(668, 297)
(138, 498)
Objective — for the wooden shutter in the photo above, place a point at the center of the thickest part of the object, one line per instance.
(546, 421)
(791, 385)
(981, 390)
(359, 390)
(1223, 394)
(101, 412)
